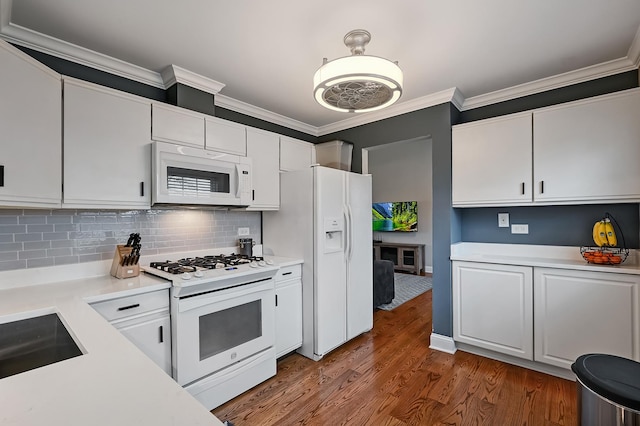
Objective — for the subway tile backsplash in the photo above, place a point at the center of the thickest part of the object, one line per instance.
(35, 238)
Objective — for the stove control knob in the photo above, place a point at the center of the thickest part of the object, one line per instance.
(269, 261)
(186, 276)
(262, 263)
(253, 264)
(198, 274)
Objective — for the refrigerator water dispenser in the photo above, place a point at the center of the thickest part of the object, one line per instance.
(332, 235)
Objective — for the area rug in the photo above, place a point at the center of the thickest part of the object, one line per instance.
(407, 287)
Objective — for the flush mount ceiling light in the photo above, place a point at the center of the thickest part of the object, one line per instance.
(357, 83)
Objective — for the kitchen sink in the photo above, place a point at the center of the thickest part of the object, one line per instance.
(34, 342)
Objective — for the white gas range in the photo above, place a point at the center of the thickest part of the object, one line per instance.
(222, 323)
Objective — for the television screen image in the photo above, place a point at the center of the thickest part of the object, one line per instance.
(397, 216)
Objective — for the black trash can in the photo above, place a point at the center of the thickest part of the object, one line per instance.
(608, 390)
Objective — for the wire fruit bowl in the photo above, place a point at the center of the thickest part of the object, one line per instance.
(604, 255)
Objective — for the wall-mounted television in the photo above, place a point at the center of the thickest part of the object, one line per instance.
(396, 216)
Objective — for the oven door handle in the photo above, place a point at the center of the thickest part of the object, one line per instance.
(194, 302)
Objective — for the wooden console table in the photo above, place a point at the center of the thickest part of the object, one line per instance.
(405, 257)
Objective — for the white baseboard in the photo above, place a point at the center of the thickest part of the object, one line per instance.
(442, 343)
(428, 269)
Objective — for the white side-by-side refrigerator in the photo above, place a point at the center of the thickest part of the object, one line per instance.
(325, 219)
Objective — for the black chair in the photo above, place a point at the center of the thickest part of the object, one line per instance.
(383, 282)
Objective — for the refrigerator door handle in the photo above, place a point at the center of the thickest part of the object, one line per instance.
(347, 233)
(350, 231)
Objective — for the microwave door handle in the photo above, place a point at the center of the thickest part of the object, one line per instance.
(238, 185)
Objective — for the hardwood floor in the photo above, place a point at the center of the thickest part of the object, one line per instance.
(389, 376)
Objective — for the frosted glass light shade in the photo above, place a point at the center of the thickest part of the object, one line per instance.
(358, 83)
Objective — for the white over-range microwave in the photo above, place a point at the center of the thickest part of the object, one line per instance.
(190, 176)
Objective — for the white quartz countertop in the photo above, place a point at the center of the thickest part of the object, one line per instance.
(112, 383)
(539, 256)
(284, 261)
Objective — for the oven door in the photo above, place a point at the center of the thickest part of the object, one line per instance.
(215, 330)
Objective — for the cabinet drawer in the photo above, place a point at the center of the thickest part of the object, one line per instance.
(288, 273)
(132, 305)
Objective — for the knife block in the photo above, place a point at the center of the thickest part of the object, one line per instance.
(126, 271)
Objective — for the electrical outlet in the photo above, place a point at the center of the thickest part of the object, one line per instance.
(503, 220)
(243, 231)
(520, 229)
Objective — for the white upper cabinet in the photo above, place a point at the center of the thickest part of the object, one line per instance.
(580, 152)
(177, 125)
(295, 154)
(225, 136)
(107, 148)
(263, 149)
(492, 161)
(30, 126)
(589, 150)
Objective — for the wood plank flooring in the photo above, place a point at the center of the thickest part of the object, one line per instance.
(389, 376)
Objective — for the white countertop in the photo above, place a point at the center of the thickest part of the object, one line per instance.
(540, 256)
(113, 383)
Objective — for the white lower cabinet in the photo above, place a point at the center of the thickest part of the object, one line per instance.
(152, 336)
(546, 315)
(579, 312)
(288, 309)
(493, 307)
(144, 319)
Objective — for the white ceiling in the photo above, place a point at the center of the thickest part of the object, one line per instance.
(266, 52)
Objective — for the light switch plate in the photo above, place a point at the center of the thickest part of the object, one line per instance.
(243, 231)
(503, 220)
(520, 229)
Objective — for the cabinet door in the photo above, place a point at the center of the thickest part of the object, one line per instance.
(491, 162)
(30, 125)
(579, 312)
(288, 316)
(588, 150)
(177, 125)
(263, 149)
(154, 339)
(493, 307)
(295, 154)
(225, 136)
(107, 148)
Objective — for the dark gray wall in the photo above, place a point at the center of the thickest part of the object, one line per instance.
(601, 86)
(93, 75)
(187, 97)
(434, 122)
(262, 124)
(550, 225)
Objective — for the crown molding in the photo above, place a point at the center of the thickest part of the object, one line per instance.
(52, 46)
(263, 114)
(395, 109)
(560, 80)
(5, 13)
(18, 35)
(634, 50)
(174, 74)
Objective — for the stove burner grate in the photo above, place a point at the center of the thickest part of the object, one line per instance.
(191, 264)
